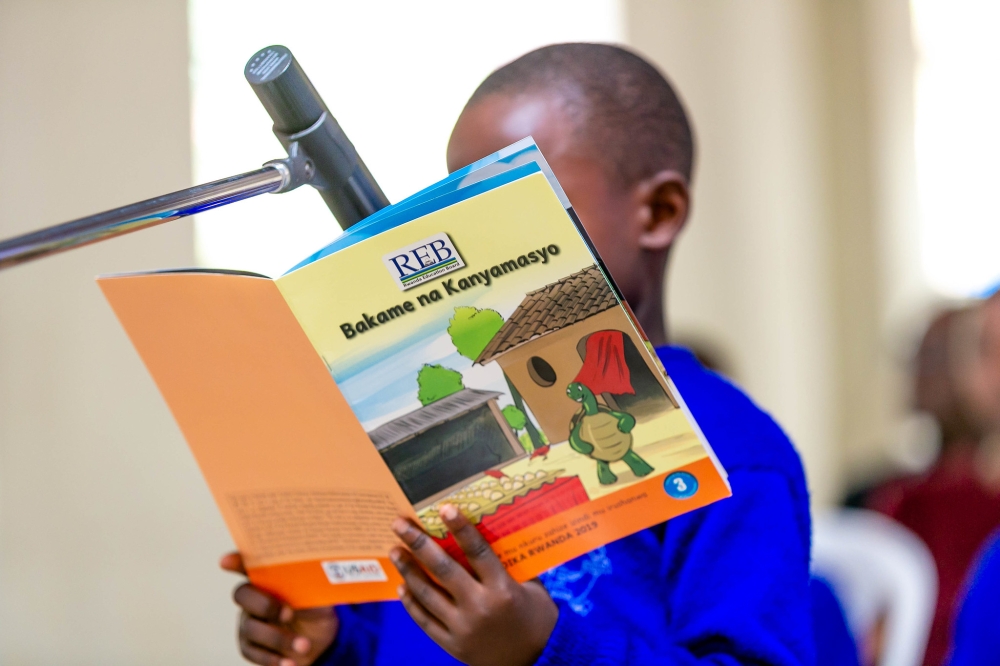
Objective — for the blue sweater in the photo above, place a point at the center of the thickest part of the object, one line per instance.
(977, 632)
(723, 585)
(835, 646)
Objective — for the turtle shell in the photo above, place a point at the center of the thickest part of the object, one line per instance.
(601, 430)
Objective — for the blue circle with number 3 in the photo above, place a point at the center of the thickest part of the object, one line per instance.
(681, 485)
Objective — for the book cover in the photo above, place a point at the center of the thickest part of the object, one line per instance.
(472, 351)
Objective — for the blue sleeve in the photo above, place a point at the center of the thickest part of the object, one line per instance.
(736, 591)
(977, 632)
(834, 644)
(357, 637)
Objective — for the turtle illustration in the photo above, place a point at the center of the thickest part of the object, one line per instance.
(603, 434)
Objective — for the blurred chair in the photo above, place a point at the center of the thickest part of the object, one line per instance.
(885, 579)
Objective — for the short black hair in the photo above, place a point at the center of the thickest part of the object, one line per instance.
(628, 112)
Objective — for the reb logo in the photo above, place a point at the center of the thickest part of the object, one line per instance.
(424, 260)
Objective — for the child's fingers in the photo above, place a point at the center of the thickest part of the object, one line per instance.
(258, 655)
(481, 557)
(261, 605)
(423, 589)
(434, 559)
(274, 638)
(423, 618)
(233, 562)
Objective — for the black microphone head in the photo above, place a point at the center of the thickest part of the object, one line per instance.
(304, 126)
(284, 89)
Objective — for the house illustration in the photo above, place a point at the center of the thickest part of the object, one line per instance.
(446, 444)
(543, 345)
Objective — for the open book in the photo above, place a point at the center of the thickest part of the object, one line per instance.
(465, 345)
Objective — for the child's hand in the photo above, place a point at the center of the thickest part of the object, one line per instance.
(271, 633)
(487, 620)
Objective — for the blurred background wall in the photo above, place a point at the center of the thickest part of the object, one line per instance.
(108, 536)
(783, 266)
(801, 269)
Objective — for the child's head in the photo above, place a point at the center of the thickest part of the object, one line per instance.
(616, 136)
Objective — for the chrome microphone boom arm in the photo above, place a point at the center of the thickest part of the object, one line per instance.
(319, 154)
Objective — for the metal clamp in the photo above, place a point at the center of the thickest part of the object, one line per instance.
(296, 170)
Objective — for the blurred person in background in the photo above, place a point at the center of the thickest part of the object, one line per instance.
(977, 626)
(955, 505)
(979, 382)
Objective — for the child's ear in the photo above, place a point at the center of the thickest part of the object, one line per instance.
(664, 200)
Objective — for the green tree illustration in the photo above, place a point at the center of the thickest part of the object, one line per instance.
(435, 382)
(471, 329)
(519, 423)
(516, 419)
(536, 438)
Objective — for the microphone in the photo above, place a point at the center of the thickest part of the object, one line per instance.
(310, 133)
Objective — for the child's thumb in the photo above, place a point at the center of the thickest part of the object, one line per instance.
(232, 562)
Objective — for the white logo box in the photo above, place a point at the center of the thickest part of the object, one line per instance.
(424, 260)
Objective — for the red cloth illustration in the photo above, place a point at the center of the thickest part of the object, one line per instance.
(604, 369)
(552, 497)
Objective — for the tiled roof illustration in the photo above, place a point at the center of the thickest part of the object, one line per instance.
(423, 419)
(554, 306)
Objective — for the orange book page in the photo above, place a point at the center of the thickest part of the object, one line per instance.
(306, 496)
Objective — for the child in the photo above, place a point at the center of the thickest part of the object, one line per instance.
(727, 584)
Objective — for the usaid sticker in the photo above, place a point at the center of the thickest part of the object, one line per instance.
(424, 260)
(354, 571)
